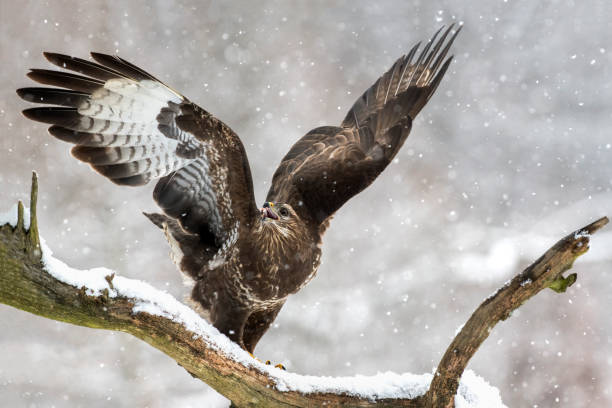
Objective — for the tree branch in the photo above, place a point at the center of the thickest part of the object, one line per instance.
(32, 280)
(546, 272)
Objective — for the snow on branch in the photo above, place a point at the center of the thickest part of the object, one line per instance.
(31, 279)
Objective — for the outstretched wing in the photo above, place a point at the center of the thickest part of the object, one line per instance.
(132, 129)
(329, 165)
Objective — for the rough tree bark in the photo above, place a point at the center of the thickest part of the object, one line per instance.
(26, 285)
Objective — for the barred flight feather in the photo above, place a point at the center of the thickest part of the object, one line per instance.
(132, 129)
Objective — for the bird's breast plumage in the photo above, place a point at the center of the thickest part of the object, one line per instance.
(276, 261)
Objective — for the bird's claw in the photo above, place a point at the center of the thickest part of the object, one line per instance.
(268, 362)
(251, 354)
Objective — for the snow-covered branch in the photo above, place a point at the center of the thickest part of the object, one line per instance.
(31, 279)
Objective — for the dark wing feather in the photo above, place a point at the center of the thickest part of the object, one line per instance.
(132, 129)
(329, 165)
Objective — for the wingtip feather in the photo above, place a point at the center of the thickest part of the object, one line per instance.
(38, 114)
(52, 57)
(63, 134)
(52, 115)
(23, 94)
(100, 57)
(29, 113)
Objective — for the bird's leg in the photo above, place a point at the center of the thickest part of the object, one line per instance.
(230, 320)
(256, 325)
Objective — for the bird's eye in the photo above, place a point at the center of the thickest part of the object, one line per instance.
(283, 212)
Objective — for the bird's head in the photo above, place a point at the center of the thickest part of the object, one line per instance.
(277, 212)
(280, 227)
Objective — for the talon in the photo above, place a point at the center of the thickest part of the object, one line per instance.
(268, 362)
(251, 354)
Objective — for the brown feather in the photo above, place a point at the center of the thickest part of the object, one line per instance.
(330, 165)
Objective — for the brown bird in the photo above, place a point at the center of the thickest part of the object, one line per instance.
(245, 260)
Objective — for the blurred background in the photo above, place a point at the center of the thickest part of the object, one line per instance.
(513, 152)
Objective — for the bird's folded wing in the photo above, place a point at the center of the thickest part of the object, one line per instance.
(132, 129)
(329, 165)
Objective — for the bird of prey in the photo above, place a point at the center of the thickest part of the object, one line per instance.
(245, 260)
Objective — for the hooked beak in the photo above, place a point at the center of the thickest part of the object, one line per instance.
(266, 212)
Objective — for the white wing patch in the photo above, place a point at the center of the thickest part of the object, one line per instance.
(124, 114)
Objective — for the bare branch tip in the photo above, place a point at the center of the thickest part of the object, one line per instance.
(33, 231)
(109, 279)
(20, 216)
(584, 233)
(596, 225)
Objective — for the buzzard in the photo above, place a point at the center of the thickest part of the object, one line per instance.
(245, 260)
